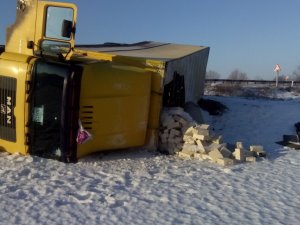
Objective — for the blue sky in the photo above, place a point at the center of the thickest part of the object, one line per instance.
(249, 35)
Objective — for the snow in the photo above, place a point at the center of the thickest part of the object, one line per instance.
(143, 187)
(256, 121)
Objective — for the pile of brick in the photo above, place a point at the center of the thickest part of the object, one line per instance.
(180, 134)
(174, 123)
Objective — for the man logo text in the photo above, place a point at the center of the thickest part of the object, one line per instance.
(6, 110)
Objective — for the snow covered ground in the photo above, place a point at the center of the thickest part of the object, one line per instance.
(144, 187)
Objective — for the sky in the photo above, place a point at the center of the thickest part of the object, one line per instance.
(249, 35)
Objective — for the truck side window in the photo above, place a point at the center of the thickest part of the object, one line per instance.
(56, 17)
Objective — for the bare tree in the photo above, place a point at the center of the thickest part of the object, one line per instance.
(282, 78)
(259, 78)
(211, 74)
(297, 78)
(237, 75)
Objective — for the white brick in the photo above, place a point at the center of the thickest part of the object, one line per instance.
(164, 133)
(184, 128)
(176, 118)
(198, 156)
(239, 155)
(163, 138)
(188, 139)
(258, 150)
(206, 157)
(217, 139)
(177, 149)
(225, 162)
(250, 159)
(173, 125)
(200, 137)
(215, 155)
(192, 124)
(200, 146)
(175, 133)
(248, 153)
(176, 140)
(180, 145)
(172, 148)
(186, 154)
(180, 120)
(189, 147)
(239, 145)
(167, 120)
(202, 131)
(204, 126)
(226, 152)
(213, 146)
(190, 131)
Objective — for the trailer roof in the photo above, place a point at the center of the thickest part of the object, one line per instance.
(149, 50)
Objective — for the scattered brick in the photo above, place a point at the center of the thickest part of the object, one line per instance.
(239, 145)
(186, 154)
(200, 146)
(215, 155)
(217, 139)
(250, 159)
(200, 137)
(225, 162)
(239, 154)
(180, 135)
(258, 150)
(225, 152)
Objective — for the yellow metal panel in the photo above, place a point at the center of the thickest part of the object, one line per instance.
(18, 70)
(22, 30)
(155, 108)
(82, 54)
(103, 79)
(15, 57)
(157, 68)
(114, 106)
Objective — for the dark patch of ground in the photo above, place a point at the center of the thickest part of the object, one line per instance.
(214, 108)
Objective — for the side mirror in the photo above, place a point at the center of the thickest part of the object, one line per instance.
(67, 28)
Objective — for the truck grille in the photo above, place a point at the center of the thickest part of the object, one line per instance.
(87, 116)
(8, 86)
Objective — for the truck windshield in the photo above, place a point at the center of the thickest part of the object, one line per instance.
(47, 99)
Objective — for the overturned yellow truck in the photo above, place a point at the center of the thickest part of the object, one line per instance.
(64, 101)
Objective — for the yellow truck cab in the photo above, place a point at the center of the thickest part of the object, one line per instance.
(47, 98)
(63, 103)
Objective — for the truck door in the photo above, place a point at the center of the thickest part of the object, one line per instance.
(42, 26)
(54, 106)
